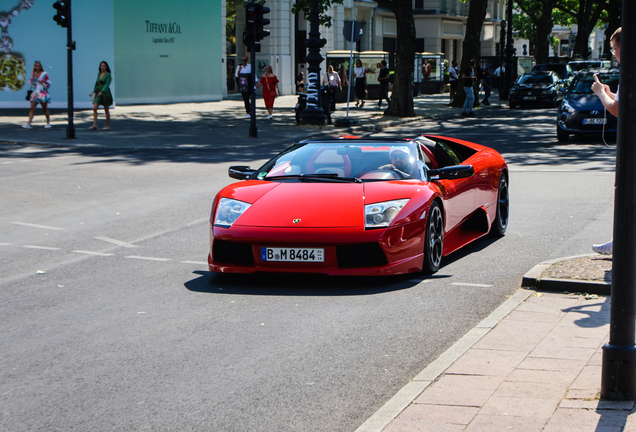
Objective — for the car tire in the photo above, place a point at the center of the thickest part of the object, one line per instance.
(562, 136)
(500, 224)
(433, 239)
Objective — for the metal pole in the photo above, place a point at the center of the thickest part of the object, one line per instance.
(253, 130)
(509, 51)
(618, 378)
(313, 113)
(70, 46)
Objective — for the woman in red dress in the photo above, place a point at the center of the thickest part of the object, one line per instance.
(269, 83)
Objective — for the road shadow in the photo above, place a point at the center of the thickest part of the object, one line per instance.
(286, 284)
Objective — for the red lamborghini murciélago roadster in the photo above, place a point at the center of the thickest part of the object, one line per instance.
(350, 206)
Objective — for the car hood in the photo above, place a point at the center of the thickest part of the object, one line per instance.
(583, 101)
(317, 205)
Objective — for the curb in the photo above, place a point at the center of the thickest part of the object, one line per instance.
(533, 280)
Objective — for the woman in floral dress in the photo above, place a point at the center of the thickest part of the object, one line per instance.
(269, 83)
(40, 87)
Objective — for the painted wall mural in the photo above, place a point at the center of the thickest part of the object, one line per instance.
(12, 64)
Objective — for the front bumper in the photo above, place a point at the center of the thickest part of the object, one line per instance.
(347, 251)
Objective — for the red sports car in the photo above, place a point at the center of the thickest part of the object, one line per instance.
(351, 206)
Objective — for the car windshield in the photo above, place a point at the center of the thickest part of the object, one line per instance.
(560, 69)
(344, 161)
(535, 79)
(583, 82)
(578, 66)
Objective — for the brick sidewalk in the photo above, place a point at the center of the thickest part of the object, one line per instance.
(539, 369)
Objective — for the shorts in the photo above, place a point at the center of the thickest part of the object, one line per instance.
(453, 84)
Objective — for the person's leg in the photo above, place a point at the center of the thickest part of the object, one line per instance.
(469, 92)
(470, 96)
(94, 117)
(45, 108)
(32, 112)
(246, 102)
(107, 112)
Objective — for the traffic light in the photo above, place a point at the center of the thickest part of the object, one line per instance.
(248, 38)
(250, 17)
(63, 8)
(261, 22)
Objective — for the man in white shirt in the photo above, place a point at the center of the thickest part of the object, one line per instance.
(245, 68)
(453, 78)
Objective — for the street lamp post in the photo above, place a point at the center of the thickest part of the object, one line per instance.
(502, 46)
(509, 52)
(313, 113)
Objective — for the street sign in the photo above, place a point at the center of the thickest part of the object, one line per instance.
(357, 31)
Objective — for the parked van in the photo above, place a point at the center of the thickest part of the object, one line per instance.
(579, 65)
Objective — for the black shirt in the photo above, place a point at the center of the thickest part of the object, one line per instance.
(384, 72)
(468, 82)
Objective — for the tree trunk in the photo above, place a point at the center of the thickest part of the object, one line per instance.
(587, 17)
(614, 22)
(402, 97)
(470, 51)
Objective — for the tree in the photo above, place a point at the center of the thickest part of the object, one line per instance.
(540, 12)
(613, 22)
(402, 97)
(324, 6)
(470, 47)
(586, 14)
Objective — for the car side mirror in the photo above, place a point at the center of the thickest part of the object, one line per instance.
(451, 172)
(240, 172)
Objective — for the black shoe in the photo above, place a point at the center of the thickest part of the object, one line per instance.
(464, 113)
(471, 114)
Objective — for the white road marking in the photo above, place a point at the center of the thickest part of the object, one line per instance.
(5, 244)
(471, 285)
(93, 253)
(37, 226)
(116, 242)
(148, 258)
(40, 247)
(194, 262)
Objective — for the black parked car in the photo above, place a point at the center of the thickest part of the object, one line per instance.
(581, 111)
(537, 88)
(564, 71)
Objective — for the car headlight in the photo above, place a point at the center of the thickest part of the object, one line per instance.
(548, 91)
(228, 211)
(567, 108)
(381, 214)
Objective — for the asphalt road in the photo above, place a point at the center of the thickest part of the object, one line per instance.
(110, 320)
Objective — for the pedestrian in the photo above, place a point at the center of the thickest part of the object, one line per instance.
(40, 84)
(486, 85)
(102, 95)
(383, 79)
(245, 89)
(331, 80)
(426, 70)
(361, 83)
(469, 79)
(269, 84)
(610, 102)
(300, 82)
(453, 79)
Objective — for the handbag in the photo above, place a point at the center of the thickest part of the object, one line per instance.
(92, 96)
(29, 93)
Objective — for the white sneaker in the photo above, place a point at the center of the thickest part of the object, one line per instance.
(604, 249)
(270, 117)
(48, 126)
(247, 116)
(26, 126)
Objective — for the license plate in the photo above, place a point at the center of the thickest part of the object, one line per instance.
(529, 98)
(595, 121)
(292, 254)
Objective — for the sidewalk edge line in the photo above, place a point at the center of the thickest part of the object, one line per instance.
(403, 398)
(532, 279)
